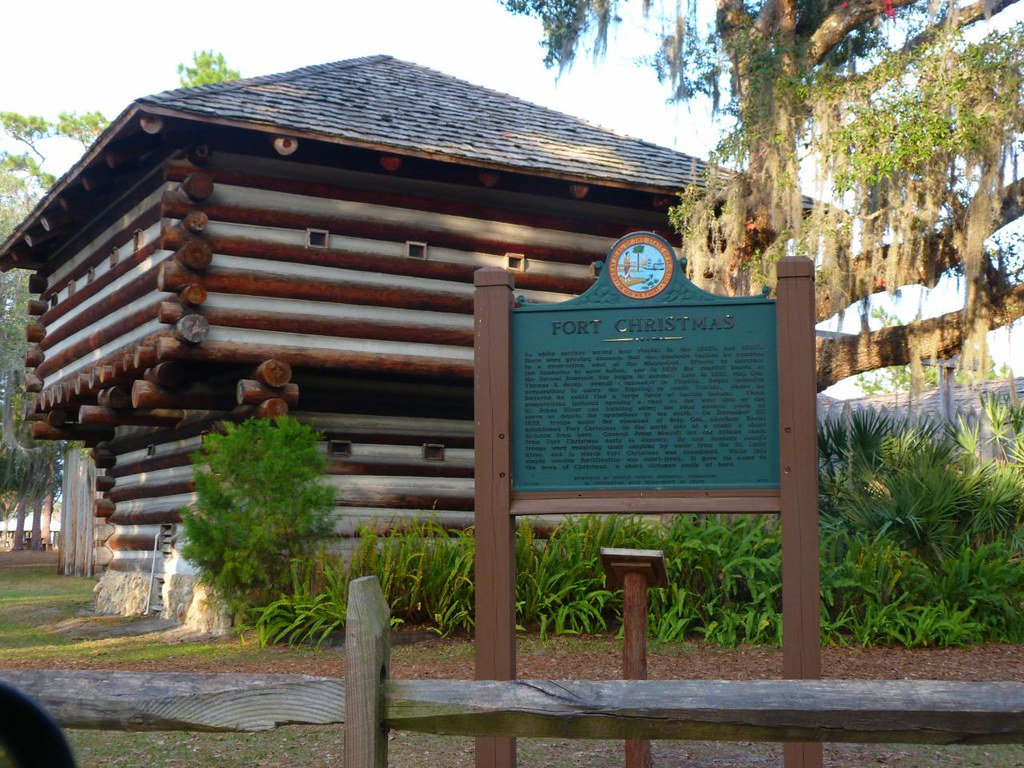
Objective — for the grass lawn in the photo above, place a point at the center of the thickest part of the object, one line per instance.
(45, 622)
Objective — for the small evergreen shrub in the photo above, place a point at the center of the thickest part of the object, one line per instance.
(261, 505)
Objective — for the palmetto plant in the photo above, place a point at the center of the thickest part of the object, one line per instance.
(914, 485)
(1006, 420)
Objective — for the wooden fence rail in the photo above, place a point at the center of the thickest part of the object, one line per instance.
(720, 710)
(762, 710)
(766, 710)
(932, 712)
(135, 701)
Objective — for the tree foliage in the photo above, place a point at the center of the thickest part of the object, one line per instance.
(207, 67)
(31, 131)
(906, 118)
(260, 505)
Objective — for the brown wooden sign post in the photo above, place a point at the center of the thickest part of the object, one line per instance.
(798, 486)
(793, 496)
(495, 527)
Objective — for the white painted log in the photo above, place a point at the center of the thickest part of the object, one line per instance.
(160, 450)
(141, 531)
(110, 291)
(135, 701)
(459, 487)
(150, 301)
(273, 167)
(349, 521)
(321, 309)
(905, 711)
(140, 560)
(154, 477)
(352, 277)
(461, 458)
(404, 454)
(156, 505)
(397, 425)
(396, 250)
(130, 339)
(392, 249)
(442, 223)
(395, 350)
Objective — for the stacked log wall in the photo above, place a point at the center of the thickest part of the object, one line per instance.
(96, 308)
(361, 282)
(382, 474)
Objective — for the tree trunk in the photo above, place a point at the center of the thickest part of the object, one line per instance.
(19, 527)
(44, 524)
(37, 514)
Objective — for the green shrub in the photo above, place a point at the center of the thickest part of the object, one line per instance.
(260, 506)
(726, 580)
(314, 606)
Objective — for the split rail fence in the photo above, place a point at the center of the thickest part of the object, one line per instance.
(369, 703)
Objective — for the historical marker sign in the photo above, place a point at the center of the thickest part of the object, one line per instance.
(644, 395)
(645, 382)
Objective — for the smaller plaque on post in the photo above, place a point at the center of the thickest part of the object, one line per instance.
(648, 562)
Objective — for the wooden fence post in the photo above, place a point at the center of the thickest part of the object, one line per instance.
(367, 658)
(635, 571)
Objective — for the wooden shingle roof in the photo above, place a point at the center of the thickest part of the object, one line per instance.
(384, 102)
(379, 103)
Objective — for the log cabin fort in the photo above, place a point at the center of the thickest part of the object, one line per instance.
(303, 243)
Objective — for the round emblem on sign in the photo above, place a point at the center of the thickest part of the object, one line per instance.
(640, 265)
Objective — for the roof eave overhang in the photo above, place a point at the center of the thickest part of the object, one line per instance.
(70, 178)
(383, 146)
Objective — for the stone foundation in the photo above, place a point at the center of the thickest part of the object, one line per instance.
(185, 601)
(121, 594)
(192, 605)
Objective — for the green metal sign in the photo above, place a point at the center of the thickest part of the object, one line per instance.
(645, 382)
